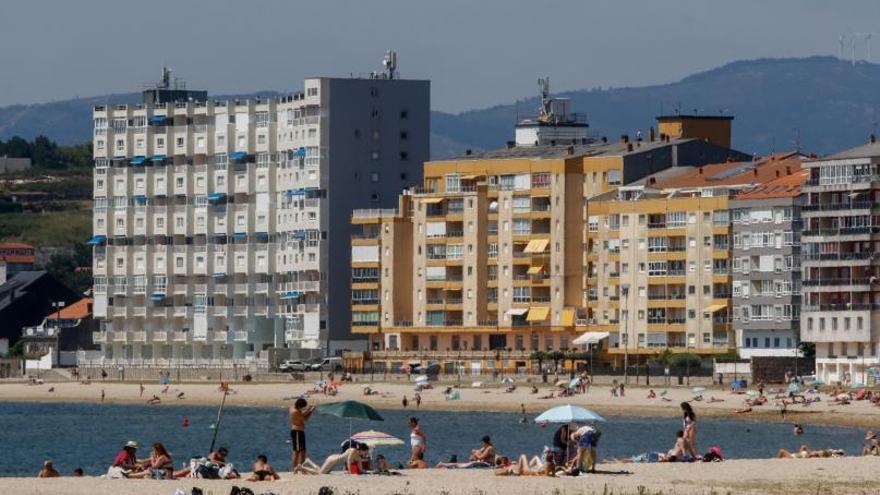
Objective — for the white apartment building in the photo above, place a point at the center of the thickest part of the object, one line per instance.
(219, 226)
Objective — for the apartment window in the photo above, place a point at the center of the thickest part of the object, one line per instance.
(178, 182)
(160, 142)
(178, 262)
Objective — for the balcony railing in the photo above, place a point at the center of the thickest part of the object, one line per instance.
(837, 256)
(830, 282)
(842, 231)
(808, 308)
(855, 205)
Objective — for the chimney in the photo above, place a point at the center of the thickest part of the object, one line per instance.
(467, 152)
(700, 170)
(652, 180)
(629, 146)
(651, 134)
(624, 138)
(552, 142)
(604, 139)
(511, 144)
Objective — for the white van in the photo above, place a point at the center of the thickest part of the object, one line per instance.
(328, 364)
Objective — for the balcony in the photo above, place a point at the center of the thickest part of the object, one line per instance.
(240, 335)
(182, 337)
(102, 337)
(854, 231)
(240, 310)
(241, 288)
(160, 336)
(121, 336)
(220, 311)
(855, 205)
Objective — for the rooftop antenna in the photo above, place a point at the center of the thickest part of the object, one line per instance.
(166, 78)
(840, 42)
(544, 88)
(797, 139)
(389, 61)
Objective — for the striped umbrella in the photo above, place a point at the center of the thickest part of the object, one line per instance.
(373, 438)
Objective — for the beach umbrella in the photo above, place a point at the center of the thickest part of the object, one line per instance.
(373, 438)
(350, 409)
(568, 414)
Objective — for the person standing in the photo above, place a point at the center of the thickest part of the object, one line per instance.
(299, 414)
(405, 402)
(418, 399)
(689, 425)
(417, 439)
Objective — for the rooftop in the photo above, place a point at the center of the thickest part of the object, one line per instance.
(76, 311)
(617, 148)
(786, 186)
(868, 150)
(731, 173)
(694, 117)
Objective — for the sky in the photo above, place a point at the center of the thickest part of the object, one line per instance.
(477, 53)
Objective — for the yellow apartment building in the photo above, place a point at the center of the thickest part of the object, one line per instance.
(484, 264)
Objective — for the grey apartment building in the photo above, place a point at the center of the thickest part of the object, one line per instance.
(766, 266)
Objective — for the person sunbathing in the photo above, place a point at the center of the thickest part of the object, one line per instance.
(418, 462)
(155, 400)
(678, 451)
(548, 396)
(805, 453)
(352, 457)
(262, 470)
(48, 470)
(525, 467)
(743, 410)
(486, 452)
(713, 400)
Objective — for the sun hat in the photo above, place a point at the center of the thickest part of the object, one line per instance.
(131, 444)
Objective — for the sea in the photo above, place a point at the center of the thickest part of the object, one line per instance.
(90, 435)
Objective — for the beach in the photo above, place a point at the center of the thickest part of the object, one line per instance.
(860, 414)
(772, 476)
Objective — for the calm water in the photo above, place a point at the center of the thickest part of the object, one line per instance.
(89, 435)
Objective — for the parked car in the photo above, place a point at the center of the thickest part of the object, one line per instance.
(293, 365)
(328, 364)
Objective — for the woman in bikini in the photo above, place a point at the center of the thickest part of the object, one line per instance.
(417, 439)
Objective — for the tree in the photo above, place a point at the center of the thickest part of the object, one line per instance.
(67, 268)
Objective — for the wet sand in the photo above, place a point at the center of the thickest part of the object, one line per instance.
(772, 476)
(859, 414)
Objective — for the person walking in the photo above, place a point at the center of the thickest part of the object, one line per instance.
(689, 425)
(299, 414)
(417, 439)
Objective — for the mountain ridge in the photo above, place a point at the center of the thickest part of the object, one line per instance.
(820, 104)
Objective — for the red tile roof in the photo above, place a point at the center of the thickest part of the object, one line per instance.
(786, 186)
(76, 311)
(724, 174)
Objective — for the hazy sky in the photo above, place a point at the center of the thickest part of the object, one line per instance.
(476, 52)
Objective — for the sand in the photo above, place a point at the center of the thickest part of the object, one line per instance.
(858, 414)
(773, 476)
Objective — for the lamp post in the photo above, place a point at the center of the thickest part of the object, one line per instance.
(625, 289)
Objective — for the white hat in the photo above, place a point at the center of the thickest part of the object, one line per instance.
(131, 444)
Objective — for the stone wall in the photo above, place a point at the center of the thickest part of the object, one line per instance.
(770, 369)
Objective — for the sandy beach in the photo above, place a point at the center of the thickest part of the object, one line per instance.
(859, 414)
(773, 476)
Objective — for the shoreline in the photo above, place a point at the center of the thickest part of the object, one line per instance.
(858, 414)
(852, 475)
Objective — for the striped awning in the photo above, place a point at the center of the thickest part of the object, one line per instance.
(534, 270)
(536, 246)
(431, 201)
(567, 317)
(538, 313)
(715, 307)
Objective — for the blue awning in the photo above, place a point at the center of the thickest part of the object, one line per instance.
(218, 274)
(300, 153)
(157, 296)
(216, 196)
(157, 158)
(138, 160)
(298, 234)
(291, 294)
(238, 155)
(140, 198)
(239, 235)
(157, 119)
(98, 239)
(262, 235)
(295, 192)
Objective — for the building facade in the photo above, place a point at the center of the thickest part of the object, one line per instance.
(766, 267)
(491, 264)
(215, 222)
(658, 260)
(840, 312)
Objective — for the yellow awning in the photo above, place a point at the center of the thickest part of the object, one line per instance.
(538, 313)
(536, 246)
(472, 176)
(715, 307)
(535, 269)
(567, 317)
(431, 201)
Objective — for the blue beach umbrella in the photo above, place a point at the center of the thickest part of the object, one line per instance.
(569, 414)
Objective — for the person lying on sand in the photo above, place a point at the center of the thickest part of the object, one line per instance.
(155, 400)
(743, 410)
(548, 396)
(805, 453)
(525, 467)
(678, 451)
(713, 400)
(352, 457)
(262, 470)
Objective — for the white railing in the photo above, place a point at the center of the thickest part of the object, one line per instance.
(374, 213)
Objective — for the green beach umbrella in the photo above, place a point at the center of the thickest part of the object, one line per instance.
(350, 409)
